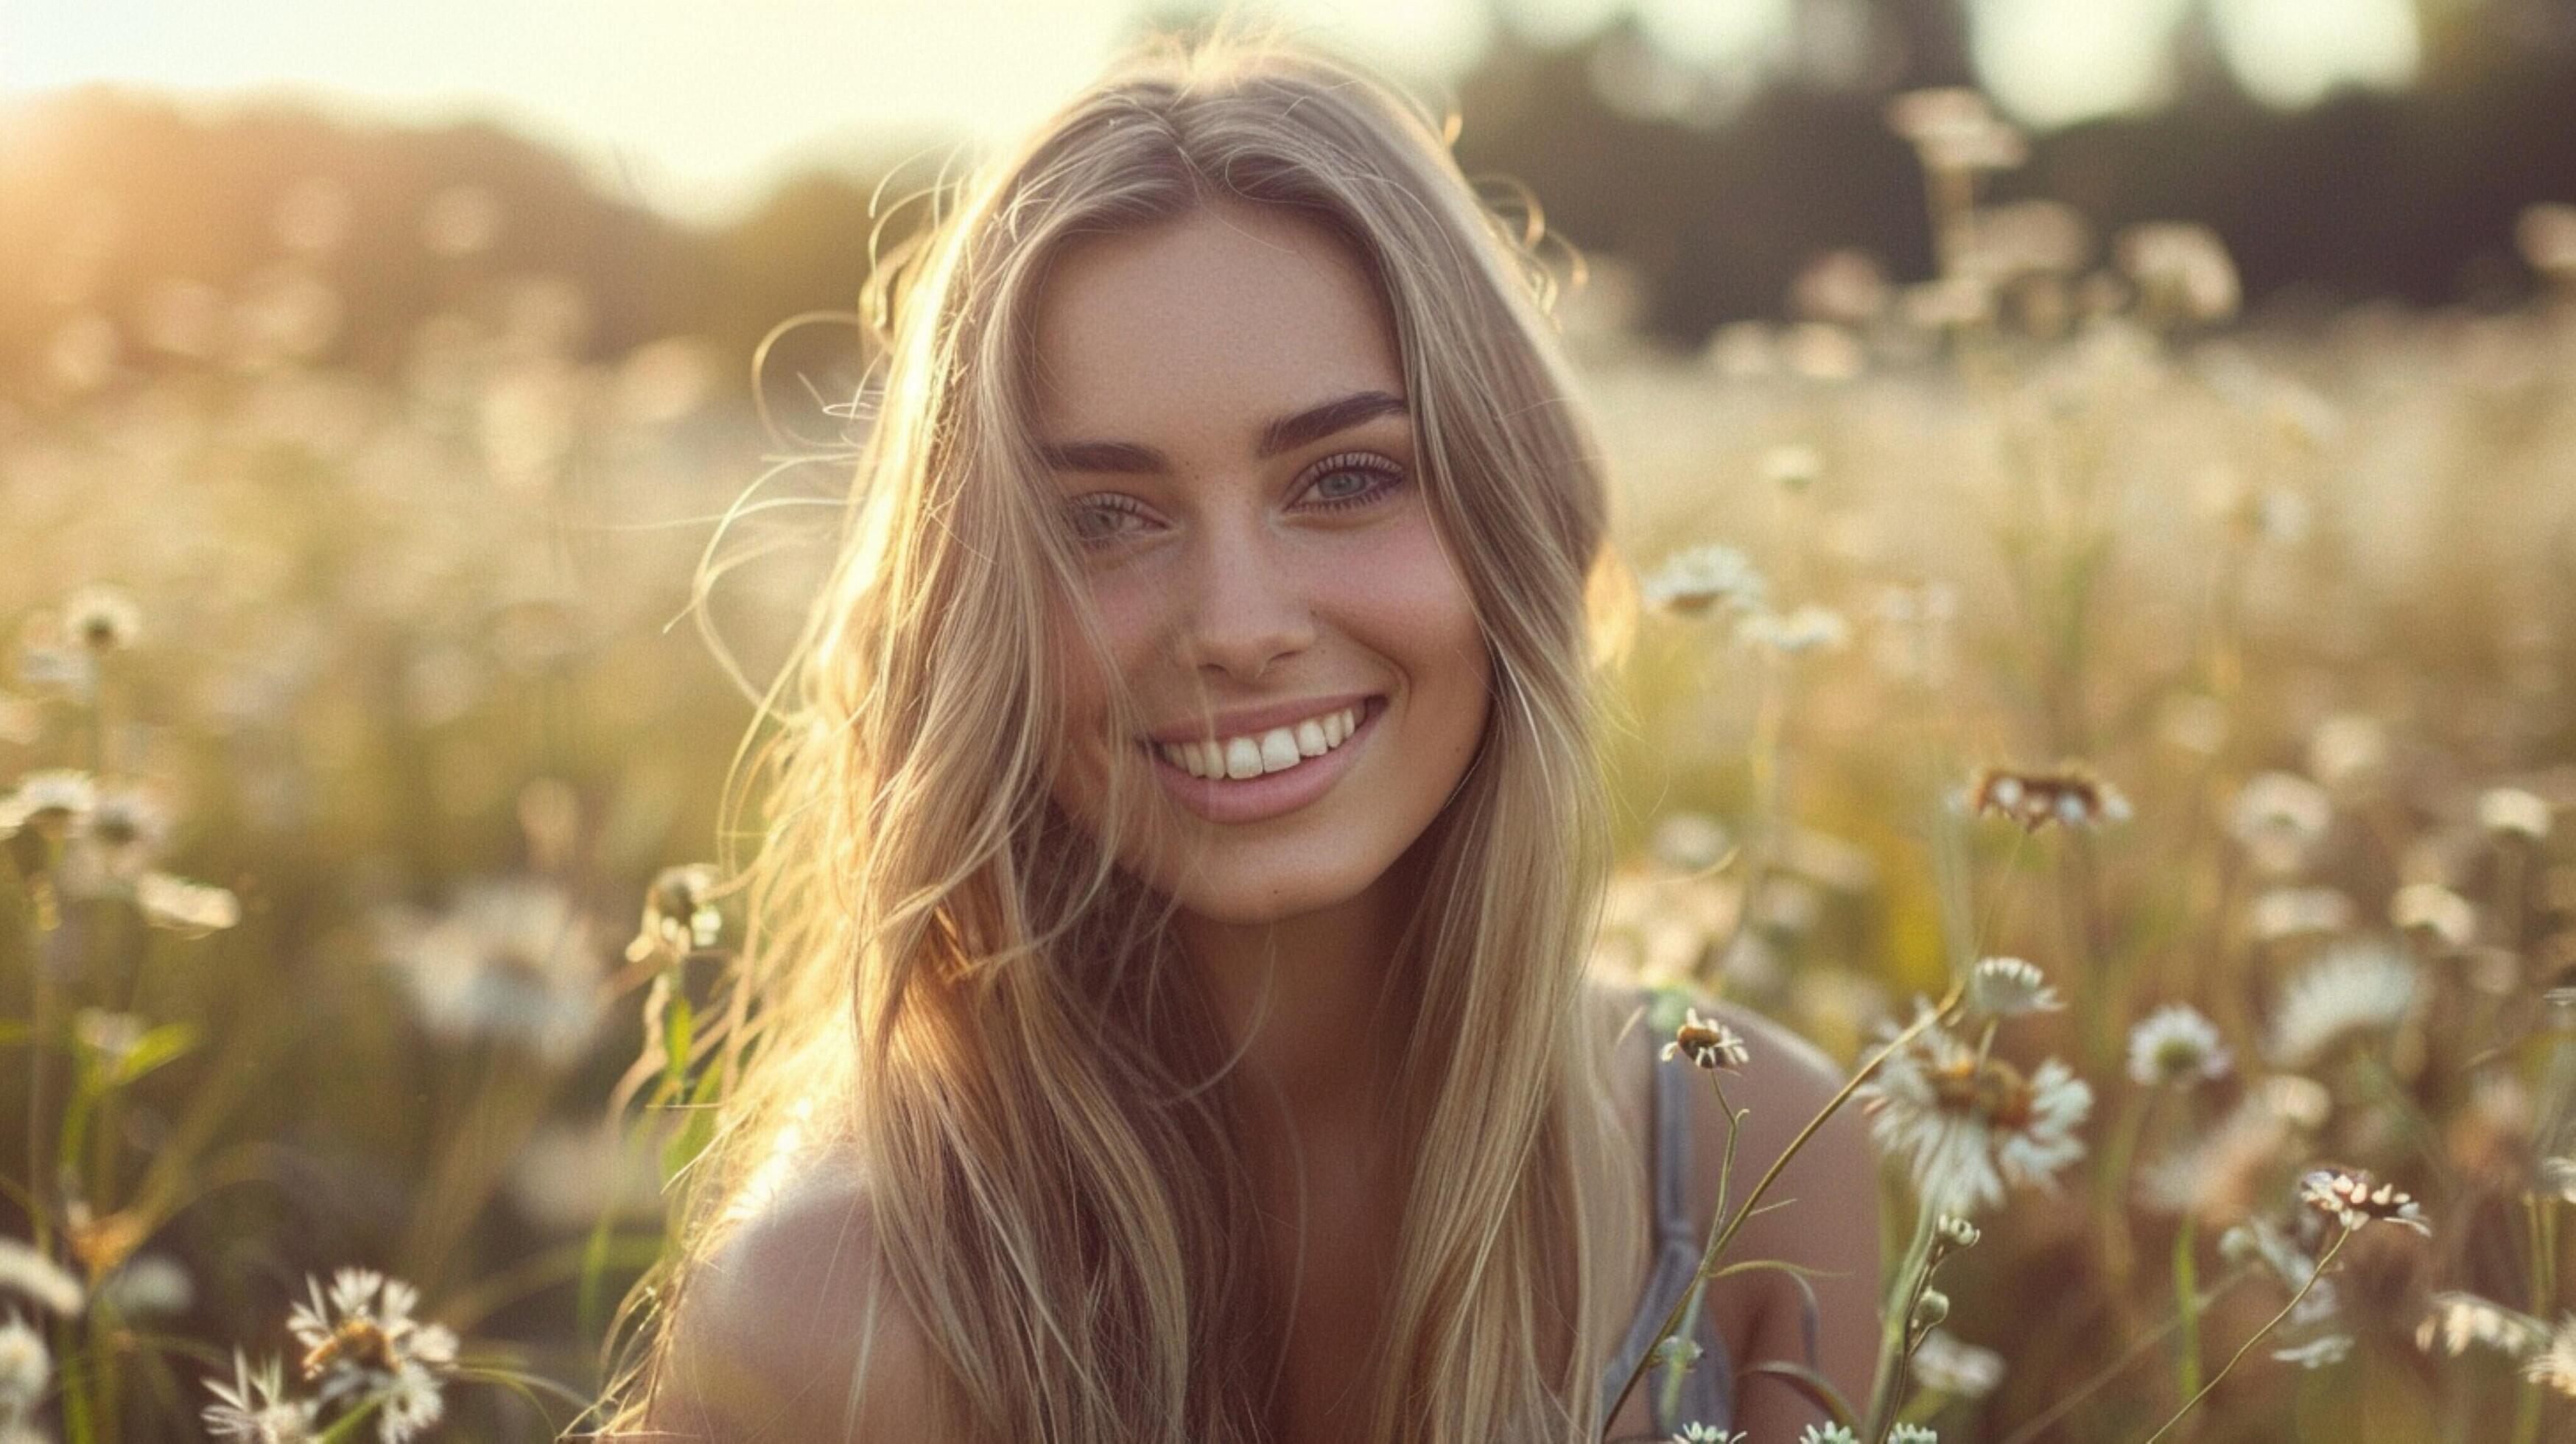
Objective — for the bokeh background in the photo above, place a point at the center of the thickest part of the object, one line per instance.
(398, 535)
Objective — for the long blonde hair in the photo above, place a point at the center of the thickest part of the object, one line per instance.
(993, 1017)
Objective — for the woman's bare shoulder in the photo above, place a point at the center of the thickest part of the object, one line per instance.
(790, 1329)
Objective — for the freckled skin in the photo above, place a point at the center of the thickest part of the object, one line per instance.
(1231, 580)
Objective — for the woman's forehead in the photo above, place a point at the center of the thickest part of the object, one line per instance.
(1204, 328)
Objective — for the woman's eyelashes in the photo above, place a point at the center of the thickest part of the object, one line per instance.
(1323, 480)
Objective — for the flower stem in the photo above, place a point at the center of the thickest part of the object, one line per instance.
(2186, 1276)
(1896, 1328)
(2242, 1349)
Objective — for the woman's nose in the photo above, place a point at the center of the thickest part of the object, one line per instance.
(1245, 604)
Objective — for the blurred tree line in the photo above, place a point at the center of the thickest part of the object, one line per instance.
(1713, 187)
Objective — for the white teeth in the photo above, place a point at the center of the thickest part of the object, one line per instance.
(1311, 741)
(1242, 757)
(1276, 750)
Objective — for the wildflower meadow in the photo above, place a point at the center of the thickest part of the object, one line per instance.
(2134, 740)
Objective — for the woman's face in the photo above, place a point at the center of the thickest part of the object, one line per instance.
(1224, 419)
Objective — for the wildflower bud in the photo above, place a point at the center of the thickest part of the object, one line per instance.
(1931, 1309)
(1951, 1233)
(1678, 1352)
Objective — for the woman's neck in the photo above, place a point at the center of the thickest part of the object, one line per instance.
(1308, 1003)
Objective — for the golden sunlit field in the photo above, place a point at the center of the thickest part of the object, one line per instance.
(2218, 673)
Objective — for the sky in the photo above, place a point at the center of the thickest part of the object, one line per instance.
(695, 106)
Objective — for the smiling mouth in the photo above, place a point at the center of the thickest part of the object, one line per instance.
(1253, 756)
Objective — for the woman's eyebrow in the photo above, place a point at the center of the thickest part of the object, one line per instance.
(1312, 424)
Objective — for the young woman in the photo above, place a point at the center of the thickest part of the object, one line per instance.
(1166, 1017)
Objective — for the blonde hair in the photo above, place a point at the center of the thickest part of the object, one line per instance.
(1018, 1059)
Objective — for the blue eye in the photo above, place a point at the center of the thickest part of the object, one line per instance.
(1081, 513)
(1355, 463)
(1094, 519)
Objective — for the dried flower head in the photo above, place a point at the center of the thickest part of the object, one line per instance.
(2352, 1197)
(2070, 796)
(1707, 1042)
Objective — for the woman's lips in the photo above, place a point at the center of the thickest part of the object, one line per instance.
(1272, 794)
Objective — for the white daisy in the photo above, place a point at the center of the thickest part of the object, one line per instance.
(2554, 1363)
(412, 1405)
(190, 909)
(2008, 987)
(1969, 1126)
(2437, 910)
(1810, 628)
(26, 1367)
(1707, 1042)
(2352, 1198)
(28, 1273)
(1947, 1364)
(1912, 1434)
(101, 618)
(2279, 817)
(1704, 578)
(2318, 1352)
(514, 960)
(1827, 1434)
(255, 1407)
(362, 1342)
(2358, 986)
(50, 799)
(2457, 1320)
(2281, 913)
(2260, 1238)
(2512, 811)
(2176, 1044)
